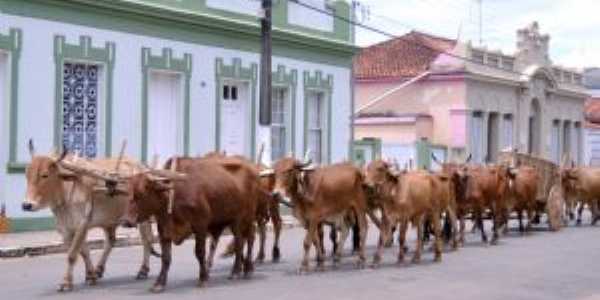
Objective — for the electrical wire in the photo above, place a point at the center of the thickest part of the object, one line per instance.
(393, 36)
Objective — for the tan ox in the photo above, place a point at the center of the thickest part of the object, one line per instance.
(407, 197)
(78, 207)
(522, 194)
(328, 194)
(585, 185)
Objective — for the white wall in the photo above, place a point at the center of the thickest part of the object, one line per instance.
(302, 16)
(37, 90)
(239, 6)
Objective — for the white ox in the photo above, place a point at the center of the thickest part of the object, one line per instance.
(78, 204)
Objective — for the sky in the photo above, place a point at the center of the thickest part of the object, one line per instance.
(573, 25)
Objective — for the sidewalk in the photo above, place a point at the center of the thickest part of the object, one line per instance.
(14, 245)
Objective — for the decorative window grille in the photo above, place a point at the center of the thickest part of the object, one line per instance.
(80, 108)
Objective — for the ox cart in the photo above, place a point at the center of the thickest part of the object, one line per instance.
(549, 194)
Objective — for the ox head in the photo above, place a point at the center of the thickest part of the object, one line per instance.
(289, 177)
(148, 195)
(380, 172)
(44, 180)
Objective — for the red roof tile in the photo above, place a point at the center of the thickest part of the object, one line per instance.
(592, 111)
(405, 56)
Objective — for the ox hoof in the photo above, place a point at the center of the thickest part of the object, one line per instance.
(157, 288)
(260, 258)
(437, 259)
(65, 287)
(578, 223)
(143, 273)
(416, 260)
(201, 283)
(276, 255)
(99, 272)
(89, 280)
(141, 276)
(494, 242)
(360, 264)
(303, 270)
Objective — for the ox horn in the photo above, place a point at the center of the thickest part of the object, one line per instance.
(80, 169)
(469, 158)
(121, 154)
(266, 172)
(261, 150)
(167, 174)
(31, 148)
(435, 159)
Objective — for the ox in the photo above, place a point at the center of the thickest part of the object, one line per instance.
(330, 194)
(256, 188)
(484, 188)
(455, 171)
(78, 205)
(207, 199)
(407, 197)
(583, 183)
(522, 194)
(267, 204)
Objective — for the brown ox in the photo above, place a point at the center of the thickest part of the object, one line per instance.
(583, 183)
(207, 201)
(329, 194)
(77, 207)
(485, 188)
(407, 197)
(522, 194)
(267, 206)
(256, 188)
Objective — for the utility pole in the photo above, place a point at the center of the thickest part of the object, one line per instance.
(265, 65)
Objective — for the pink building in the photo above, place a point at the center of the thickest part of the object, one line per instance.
(416, 88)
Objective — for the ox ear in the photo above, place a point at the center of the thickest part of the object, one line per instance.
(443, 177)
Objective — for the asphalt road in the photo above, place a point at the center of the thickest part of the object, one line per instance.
(541, 265)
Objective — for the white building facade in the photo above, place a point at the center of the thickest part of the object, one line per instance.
(171, 78)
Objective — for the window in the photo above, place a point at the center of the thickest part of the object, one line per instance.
(315, 116)
(279, 124)
(80, 108)
(230, 92)
(507, 132)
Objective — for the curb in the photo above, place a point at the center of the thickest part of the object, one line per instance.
(56, 247)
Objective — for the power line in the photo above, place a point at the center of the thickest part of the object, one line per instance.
(393, 36)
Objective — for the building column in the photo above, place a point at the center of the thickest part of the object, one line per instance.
(485, 116)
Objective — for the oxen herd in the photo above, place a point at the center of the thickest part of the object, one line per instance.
(202, 197)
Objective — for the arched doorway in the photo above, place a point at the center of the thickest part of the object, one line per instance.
(535, 128)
